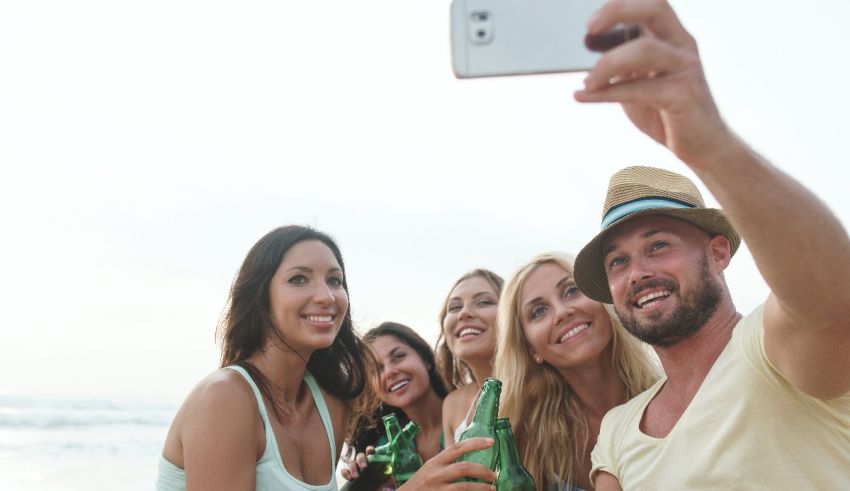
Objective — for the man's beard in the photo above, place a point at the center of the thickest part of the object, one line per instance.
(688, 318)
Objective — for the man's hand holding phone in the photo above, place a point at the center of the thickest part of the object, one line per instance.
(658, 79)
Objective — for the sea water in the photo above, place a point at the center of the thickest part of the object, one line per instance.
(70, 444)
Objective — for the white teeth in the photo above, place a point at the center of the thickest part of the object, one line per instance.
(572, 332)
(469, 331)
(641, 302)
(319, 318)
(399, 385)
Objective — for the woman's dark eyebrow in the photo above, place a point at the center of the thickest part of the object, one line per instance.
(307, 269)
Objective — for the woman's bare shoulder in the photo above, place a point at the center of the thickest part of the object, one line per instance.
(456, 404)
(218, 434)
(455, 408)
(222, 386)
(461, 397)
(221, 406)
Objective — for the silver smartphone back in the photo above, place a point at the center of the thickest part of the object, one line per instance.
(512, 37)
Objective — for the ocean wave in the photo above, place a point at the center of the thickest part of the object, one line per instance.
(23, 412)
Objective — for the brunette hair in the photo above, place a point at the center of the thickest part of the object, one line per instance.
(369, 434)
(342, 369)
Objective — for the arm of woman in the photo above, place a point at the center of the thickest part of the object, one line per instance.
(448, 423)
(221, 435)
(455, 408)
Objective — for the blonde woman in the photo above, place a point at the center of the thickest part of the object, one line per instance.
(466, 347)
(564, 361)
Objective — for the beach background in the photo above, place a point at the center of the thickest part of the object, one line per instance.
(79, 443)
(145, 146)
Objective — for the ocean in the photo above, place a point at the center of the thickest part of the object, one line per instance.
(77, 444)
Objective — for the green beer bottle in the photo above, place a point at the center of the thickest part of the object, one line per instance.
(398, 455)
(406, 460)
(382, 458)
(484, 424)
(512, 475)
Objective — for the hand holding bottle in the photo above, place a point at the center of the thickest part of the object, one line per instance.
(357, 465)
(441, 472)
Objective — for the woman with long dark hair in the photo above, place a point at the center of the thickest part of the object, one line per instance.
(293, 373)
(409, 386)
(276, 414)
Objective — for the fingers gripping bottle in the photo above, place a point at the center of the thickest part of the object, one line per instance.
(379, 468)
(512, 475)
(382, 458)
(484, 425)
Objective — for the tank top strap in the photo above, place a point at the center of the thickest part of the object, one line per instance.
(318, 399)
(465, 422)
(271, 443)
(467, 419)
(322, 406)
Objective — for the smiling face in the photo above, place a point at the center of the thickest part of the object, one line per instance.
(665, 276)
(404, 375)
(470, 322)
(306, 297)
(563, 327)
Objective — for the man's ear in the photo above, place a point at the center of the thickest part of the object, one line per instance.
(721, 251)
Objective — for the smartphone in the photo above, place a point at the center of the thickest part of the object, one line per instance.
(513, 37)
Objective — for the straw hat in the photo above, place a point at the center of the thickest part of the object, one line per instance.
(638, 191)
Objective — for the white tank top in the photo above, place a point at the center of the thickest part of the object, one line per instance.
(271, 474)
(464, 424)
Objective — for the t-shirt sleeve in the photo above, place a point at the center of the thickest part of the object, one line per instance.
(751, 338)
(603, 456)
(750, 331)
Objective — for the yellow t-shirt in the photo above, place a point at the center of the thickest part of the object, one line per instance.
(746, 428)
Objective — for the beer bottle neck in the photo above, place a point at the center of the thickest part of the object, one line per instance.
(393, 430)
(508, 452)
(487, 408)
(409, 432)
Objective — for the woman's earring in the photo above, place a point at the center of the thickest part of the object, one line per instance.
(537, 359)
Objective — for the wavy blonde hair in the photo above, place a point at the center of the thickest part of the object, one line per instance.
(455, 372)
(541, 405)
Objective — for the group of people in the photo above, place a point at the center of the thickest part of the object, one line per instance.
(734, 401)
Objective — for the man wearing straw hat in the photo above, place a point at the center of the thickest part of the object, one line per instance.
(755, 401)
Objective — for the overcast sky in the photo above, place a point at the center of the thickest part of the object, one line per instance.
(145, 146)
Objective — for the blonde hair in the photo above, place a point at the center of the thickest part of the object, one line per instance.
(455, 372)
(541, 405)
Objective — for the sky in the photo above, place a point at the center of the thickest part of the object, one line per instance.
(145, 147)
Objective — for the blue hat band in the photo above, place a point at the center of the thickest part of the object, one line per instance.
(626, 209)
